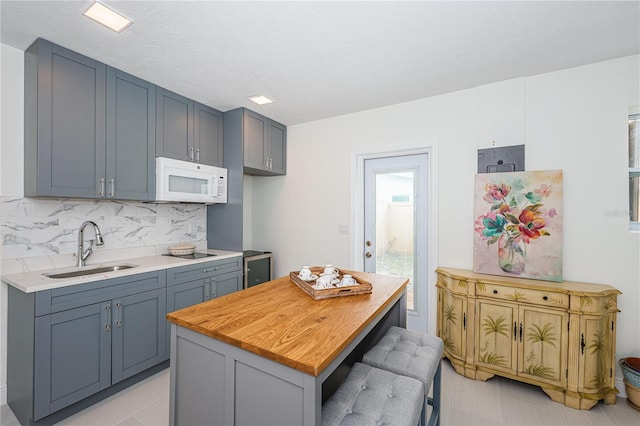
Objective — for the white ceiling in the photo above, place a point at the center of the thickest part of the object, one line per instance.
(322, 59)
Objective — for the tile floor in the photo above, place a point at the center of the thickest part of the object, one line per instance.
(464, 402)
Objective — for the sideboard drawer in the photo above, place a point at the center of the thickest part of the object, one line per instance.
(523, 295)
(454, 285)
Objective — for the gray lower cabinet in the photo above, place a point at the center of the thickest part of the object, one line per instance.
(67, 344)
(89, 128)
(187, 130)
(264, 142)
(193, 284)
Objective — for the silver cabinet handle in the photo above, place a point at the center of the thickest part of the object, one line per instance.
(107, 326)
(198, 155)
(102, 187)
(119, 320)
(266, 163)
(112, 183)
(270, 163)
(207, 289)
(212, 289)
(191, 153)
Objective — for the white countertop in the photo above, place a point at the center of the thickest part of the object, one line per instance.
(33, 281)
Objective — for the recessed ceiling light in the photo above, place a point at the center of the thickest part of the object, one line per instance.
(260, 100)
(107, 17)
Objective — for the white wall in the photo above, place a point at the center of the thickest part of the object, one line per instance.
(574, 120)
(11, 164)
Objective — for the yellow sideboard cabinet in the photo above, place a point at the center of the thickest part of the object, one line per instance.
(559, 336)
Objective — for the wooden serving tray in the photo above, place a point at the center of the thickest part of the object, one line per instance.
(363, 286)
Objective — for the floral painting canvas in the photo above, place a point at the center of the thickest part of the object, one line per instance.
(518, 224)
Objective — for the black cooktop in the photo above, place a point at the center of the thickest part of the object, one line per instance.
(195, 255)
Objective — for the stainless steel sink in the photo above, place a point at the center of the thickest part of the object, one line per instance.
(91, 271)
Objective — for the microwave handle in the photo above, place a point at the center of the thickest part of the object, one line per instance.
(218, 191)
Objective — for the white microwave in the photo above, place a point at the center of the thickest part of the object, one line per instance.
(184, 181)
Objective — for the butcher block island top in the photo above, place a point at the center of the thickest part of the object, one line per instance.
(280, 322)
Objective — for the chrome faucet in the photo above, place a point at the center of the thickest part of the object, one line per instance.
(82, 253)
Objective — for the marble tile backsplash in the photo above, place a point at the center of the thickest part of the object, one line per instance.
(32, 227)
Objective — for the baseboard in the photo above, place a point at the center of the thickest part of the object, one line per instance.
(620, 387)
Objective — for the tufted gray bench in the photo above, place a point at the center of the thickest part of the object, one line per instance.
(370, 396)
(411, 354)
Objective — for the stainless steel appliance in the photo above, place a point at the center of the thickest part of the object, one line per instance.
(258, 267)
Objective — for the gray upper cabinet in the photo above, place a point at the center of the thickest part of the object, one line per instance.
(187, 130)
(277, 148)
(130, 137)
(64, 122)
(89, 129)
(208, 133)
(174, 131)
(265, 145)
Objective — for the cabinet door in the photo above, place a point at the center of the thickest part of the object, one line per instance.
(72, 357)
(277, 148)
(543, 354)
(257, 271)
(255, 129)
(188, 294)
(497, 336)
(224, 284)
(139, 333)
(130, 137)
(65, 96)
(595, 370)
(174, 126)
(454, 325)
(207, 133)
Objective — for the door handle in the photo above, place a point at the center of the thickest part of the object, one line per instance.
(102, 187)
(198, 155)
(191, 153)
(107, 308)
(113, 187)
(119, 320)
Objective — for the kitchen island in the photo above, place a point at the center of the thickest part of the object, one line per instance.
(270, 354)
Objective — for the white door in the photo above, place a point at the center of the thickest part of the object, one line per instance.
(395, 226)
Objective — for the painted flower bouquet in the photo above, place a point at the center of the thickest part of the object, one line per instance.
(517, 217)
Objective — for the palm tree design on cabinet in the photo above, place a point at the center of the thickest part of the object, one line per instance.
(497, 326)
(541, 335)
(520, 340)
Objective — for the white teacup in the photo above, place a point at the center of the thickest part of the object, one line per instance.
(324, 281)
(330, 270)
(347, 280)
(305, 273)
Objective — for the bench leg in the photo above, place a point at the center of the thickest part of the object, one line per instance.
(434, 418)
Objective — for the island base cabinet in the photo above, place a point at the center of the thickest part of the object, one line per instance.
(209, 404)
(235, 387)
(214, 382)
